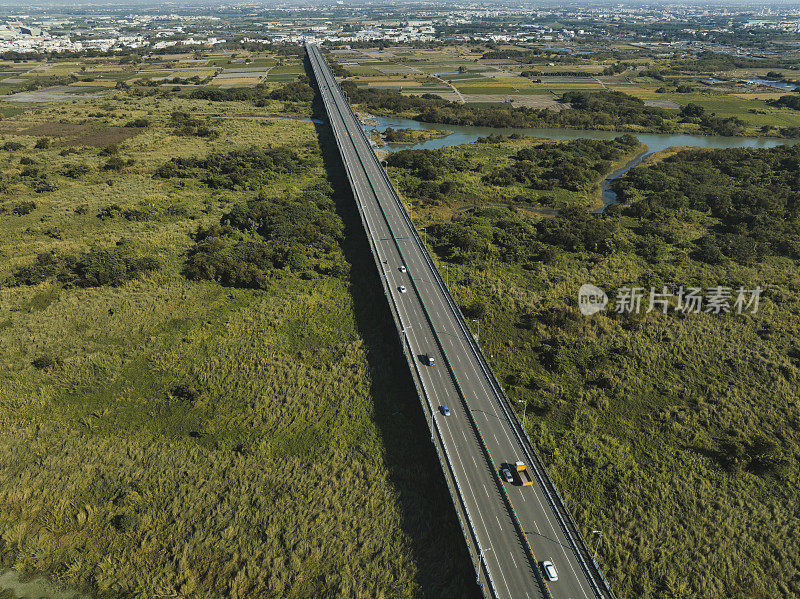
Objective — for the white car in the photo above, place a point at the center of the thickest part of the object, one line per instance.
(402, 269)
(402, 288)
(507, 475)
(549, 571)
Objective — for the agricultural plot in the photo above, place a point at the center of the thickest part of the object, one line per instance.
(282, 77)
(498, 80)
(288, 68)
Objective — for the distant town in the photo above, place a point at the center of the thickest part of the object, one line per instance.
(675, 28)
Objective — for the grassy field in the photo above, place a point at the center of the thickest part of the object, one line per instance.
(169, 437)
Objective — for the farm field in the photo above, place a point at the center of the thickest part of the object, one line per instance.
(483, 75)
(105, 73)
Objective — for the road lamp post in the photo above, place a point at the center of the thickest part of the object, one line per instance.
(447, 276)
(483, 558)
(478, 334)
(599, 534)
(524, 411)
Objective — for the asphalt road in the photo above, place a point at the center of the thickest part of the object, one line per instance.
(514, 527)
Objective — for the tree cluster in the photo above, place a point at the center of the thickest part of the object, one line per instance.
(238, 169)
(753, 193)
(576, 165)
(252, 242)
(94, 268)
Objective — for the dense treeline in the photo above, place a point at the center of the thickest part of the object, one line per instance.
(94, 268)
(299, 233)
(244, 169)
(713, 62)
(582, 110)
(537, 73)
(387, 100)
(259, 95)
(755, 194)
(520, 55)
(792, 102)
(532, 56)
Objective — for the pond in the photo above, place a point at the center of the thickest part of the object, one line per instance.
(767, 82)
(655, 142)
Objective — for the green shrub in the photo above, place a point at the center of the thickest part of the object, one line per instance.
(47, 362)
(184, 124)
(76, 170)
(253, 241)
(24, 207)
(239, 169)
(95, 268)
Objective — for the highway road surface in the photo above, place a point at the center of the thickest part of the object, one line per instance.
(509, 529)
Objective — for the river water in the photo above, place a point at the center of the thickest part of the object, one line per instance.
(655, 142)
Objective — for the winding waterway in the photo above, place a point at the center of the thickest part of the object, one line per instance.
(655, 142)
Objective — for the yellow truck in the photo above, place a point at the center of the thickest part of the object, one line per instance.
(523, 474)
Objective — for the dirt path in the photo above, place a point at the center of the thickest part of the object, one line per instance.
(453, 87)
(447, 83)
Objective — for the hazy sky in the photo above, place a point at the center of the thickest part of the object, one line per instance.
(16, 6)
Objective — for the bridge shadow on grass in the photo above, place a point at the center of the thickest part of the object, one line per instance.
(444, 568)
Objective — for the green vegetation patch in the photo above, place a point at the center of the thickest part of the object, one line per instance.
(675, 433)
(522, 171)
(299, 234)
(97, 267)
(248, 169)
(412, 135)
(259, 95)
(753, 194)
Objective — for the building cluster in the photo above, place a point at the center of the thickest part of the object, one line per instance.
(340, 22)
(130, 33)
(393, 32)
